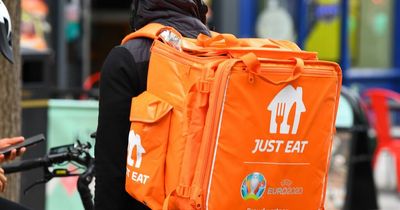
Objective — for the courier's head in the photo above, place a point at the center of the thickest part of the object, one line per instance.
(146, 11)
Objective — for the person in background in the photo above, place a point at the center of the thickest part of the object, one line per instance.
(5, 142)
(123, 76)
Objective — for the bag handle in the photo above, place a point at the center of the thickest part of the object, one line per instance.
(229, 40)
(253, 64)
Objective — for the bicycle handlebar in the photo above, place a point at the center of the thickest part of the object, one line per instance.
(24, 165)
(78, 153)
(46, 161)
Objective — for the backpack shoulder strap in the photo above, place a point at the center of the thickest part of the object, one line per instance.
(148, 31)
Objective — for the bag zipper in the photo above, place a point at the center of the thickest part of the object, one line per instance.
(284, 68)
(200, 181)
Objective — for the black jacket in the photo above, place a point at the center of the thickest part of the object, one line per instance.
(123, 76)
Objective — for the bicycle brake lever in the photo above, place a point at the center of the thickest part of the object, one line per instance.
(47, 177)
(42, 181)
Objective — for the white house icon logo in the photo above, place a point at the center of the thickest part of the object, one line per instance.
(280, 109)
(134, 141)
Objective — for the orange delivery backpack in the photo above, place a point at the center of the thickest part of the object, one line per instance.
(228, 123)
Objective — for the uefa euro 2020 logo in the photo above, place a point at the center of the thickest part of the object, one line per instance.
(253, 186)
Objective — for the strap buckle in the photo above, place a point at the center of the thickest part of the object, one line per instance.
(183, 191)
(204, 86)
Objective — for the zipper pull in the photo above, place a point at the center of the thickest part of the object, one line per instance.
(196, 196)
(251, 77)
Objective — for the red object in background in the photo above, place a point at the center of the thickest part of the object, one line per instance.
(37, 7)
(89, 82)
(379, 114)
(377, 2)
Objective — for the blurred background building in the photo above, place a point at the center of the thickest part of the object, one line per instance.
(64, 43)
(76, 35)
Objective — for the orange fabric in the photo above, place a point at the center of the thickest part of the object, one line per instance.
(228, 40)
(263, 48)
(145, 162)
(216, 131)
(148, 31)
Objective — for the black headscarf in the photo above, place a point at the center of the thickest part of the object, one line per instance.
(187, 16)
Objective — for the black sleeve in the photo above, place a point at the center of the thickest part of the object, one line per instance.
(120, 81)
(9, 205)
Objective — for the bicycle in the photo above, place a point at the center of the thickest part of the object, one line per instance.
(77, 154)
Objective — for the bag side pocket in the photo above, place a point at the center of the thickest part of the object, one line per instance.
(148, 138)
